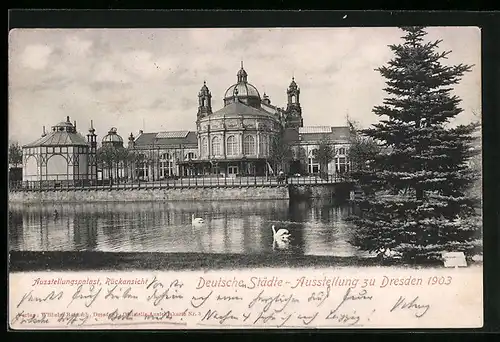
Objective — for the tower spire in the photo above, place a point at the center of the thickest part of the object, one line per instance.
(293, 110)
(204, 101)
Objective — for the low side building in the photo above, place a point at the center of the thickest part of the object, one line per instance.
(164, 155)
(308, 142)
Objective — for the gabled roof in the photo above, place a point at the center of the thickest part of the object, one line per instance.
(172, 134)
(166, 139)
(60, 138)
(315, 129)
(318, 133)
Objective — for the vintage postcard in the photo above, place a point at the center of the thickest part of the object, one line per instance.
(226, 178)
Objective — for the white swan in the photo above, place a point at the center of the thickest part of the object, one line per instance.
(281, 234)
(196, 220)
(282, 244)
(388, 253)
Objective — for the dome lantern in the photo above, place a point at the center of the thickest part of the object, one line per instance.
(242, 91)
(242, 74)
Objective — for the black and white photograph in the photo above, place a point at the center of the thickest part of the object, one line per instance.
(245, 155)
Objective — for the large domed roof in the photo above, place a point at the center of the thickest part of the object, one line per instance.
(242, 89)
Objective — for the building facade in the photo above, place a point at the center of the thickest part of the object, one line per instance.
(308, 142)
(235, 140)
(163, 155)
(60, 157)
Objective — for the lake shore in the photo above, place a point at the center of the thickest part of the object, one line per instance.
(28, 261)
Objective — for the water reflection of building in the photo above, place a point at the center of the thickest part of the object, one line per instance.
(16, 229)
(327, 231)
(166, 227)
(85, 232)
(252, 234)
(41, 231)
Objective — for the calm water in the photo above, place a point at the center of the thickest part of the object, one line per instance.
(317, 228)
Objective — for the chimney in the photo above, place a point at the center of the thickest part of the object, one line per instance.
(67, 119)
(75, 125)
(43, 133)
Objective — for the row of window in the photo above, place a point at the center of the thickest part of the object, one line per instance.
(232, 146)
(171, 157)
(56, 149)
(341, 165)
(167, 167)
(338, 152)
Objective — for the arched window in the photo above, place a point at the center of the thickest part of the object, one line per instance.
(249, 145)
(232, 146)
(342, 151)
(166, 165)
(215, 146)
(30, 167)
(204, 147)
(57, 167)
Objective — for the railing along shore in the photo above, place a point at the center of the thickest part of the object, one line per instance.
(185, 182)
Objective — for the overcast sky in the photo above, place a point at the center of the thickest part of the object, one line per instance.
(135, 79)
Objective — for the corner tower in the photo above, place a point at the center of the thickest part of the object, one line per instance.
(293, 110)
(92, 156)
(204, 101)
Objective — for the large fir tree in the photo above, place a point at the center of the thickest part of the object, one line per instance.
(416, 202)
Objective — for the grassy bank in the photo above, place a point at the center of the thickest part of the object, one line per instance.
(23, 261)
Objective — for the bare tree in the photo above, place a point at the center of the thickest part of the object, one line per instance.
(362, 148)
(324, 154)
(280, 151)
